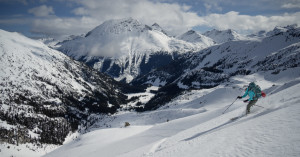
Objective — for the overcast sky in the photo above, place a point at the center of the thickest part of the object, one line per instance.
(66, 17)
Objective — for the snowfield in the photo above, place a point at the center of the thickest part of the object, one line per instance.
(193, 125)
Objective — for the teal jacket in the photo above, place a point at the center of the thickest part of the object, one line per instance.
(250, 93)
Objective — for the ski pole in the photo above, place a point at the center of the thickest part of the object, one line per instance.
(259, 106)
(229, 106)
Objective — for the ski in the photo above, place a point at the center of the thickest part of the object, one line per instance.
(235, 118)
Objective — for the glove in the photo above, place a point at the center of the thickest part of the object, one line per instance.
(239, 97)
(246, 100)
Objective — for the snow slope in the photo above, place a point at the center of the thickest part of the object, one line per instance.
(30, 68)
(44, 94)
(192, 124)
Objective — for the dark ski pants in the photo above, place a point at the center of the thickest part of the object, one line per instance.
(250, 104)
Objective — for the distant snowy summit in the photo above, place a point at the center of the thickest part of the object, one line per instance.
(127, 48)
(123, 48)
(276, 31)
(125, 37)
(194, 37)
(279, 30)
(223, 36)
(156, 27)
(117, 27)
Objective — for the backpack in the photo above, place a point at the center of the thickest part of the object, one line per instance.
(256, 90)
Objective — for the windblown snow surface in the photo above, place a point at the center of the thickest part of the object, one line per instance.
(193, 125)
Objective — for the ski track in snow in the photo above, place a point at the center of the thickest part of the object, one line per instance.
(155, 147)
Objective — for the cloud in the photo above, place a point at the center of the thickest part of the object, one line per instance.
(59, 27)
(41, 11)
(212, 6)
(175, 18)
(247, 23)
(80, 11)
(172, 16)
(15, 1)
(15, 21)
(291, 5)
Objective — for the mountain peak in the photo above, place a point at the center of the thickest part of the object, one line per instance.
(123, 41)
(157, 27)
(216, 32)
(279, 29)
(221, 36)
(117, 27)
(194, 37)
(190, 32)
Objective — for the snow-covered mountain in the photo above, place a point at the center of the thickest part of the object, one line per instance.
(280, 30)
(194, 37)
(223, 36)
(45, 95)
(126, 37)
(55, 43)
(259, 34)
(121, 47)
(51, 42)
(157, 27)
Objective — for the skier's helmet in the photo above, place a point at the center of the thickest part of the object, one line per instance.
(252, 84)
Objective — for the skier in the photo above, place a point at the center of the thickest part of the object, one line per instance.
(254, 92)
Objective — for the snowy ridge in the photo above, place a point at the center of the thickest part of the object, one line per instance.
(278, 30)
(194, 37)
(223, 36)
(51, 42)
(156, 27)
(117, 27)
